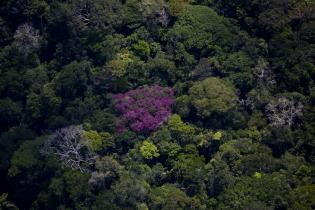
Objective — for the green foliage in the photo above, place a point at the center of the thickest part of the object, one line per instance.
(142, 206)
(228, 63)
(190, 170)
(75, 184)
(10, 142)
(161, 69)
(176, 7)
(100, 120)
(132, 14)
(108, 171)
(170, 197)
(10, 113)
(250, 133)
(182, 106)
(258, 175)
(130, 191)
(36, 78)
(118, 66)
(44, 105)
(71, 185)
(212, 95)
(304, 197)
(181, 131)
(148, 150)
(199, 27)
(137, 13)
(5, 204)
(142, 49)
(271, 190)
(217, 136)
(105, 15)
(26, 157)
(93, 140)
(169, 149)
(246, 157)
(71, 81)
(107, 48)
(219, 177)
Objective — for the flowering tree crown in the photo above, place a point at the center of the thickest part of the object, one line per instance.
(144, 109)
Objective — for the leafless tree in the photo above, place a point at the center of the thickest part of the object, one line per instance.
(156, 11)
(163, 17)
(264, 76)
(81, 13)
(247, 103)
(284, 112)
(26, 39)
(68, 145)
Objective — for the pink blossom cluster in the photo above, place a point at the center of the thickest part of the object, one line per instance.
(144, 109)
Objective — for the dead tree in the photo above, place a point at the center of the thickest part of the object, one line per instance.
(26, 39)
(247, 104)
(156, 11)
(263, 74)
(162, 17)
(284, 112)
(68, 146)
(81, 13)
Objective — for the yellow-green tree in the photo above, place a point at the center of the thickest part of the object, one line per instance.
(148, 150)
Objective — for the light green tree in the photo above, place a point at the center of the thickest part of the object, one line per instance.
(180, 130)
(97, 141)
(142, 48)
(148, 150)
(217, 136)
(118, 66)
(212, 95)
(93, 140)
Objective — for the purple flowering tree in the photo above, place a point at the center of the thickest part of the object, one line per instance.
(144, 109)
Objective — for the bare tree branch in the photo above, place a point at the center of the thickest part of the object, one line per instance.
(27, 39)
(81, 13)
(247, 103)
(264, 75)
(67, 144)
(284, 112)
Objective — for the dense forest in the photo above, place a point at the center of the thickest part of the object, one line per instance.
(157, 104)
